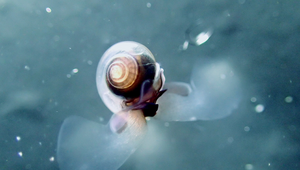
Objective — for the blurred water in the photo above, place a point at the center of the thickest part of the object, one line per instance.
(40, 49)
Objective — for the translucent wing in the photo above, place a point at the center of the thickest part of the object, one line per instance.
(87, 145)
(214, 93)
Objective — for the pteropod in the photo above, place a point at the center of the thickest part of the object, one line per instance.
(132, 85)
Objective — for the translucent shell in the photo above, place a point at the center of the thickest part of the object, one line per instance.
(121, 72)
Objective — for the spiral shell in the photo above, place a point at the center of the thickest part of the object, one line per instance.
(122, 72)
(127, 71)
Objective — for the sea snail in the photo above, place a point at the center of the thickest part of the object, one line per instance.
(213, 93)
(128, 77)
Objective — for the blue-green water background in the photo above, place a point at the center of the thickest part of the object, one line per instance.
(39, 50)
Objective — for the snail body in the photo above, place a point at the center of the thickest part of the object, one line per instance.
(126, 70)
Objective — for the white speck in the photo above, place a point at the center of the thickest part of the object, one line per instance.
(51, 159)
(230, 139)
(68, 75)
(27, 68)
(148, 118)
(288, 99)
(70, 48)
(253, 99)
(48, 10)
(20, 154)
(89, 62)
(101, 119)
(193, 118)
(259, 108)
(291, 81)
(167, 124)
(75, 70)
(148, 5)
(223, 76)
(185, 45)
(248, 166)
(40, 143)
(18, 138)
(246, 128)
(203, 37)
(269, 164)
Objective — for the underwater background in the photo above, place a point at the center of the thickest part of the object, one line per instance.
(49, 52)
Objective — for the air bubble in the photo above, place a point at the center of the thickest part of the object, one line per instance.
(198, 33)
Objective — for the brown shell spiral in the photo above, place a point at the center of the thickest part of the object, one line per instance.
(126, 74)
(122, 72)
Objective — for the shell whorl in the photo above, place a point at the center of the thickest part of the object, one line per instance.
(122, 72)
(126, 73)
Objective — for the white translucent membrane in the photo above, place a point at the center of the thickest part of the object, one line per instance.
(214, 92)
(87, 145)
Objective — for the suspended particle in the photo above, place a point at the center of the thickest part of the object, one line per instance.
(48, 10)
(27, 68)
(75, 70)
(248, 167)
(253, 99)
(148, 5)
(51, 159)
(288, 99)
(18, 138)
(20, 154)
(90, 62)
(185, 45)
(246, 128)
(259, 108)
